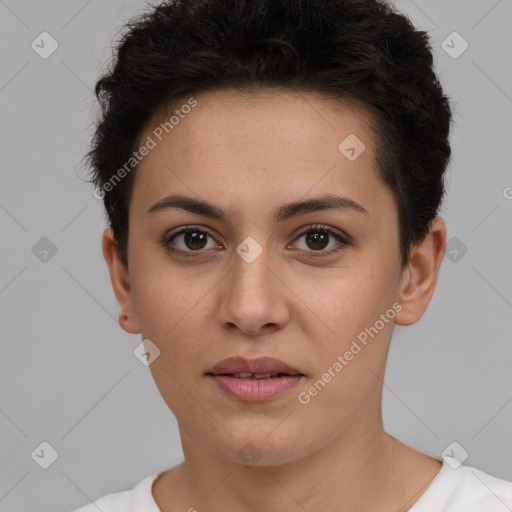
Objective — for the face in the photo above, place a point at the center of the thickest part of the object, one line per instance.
(255, 277)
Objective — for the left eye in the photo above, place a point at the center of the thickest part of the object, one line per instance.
(318, 238)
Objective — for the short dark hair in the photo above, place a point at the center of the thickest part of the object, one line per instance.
(355, 50)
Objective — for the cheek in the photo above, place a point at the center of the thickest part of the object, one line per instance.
(174, 309)
(350, 357)
(348, 337)
(167, 298)
(344, 303)
(171, 312)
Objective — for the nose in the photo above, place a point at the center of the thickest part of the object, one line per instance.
(254, 297)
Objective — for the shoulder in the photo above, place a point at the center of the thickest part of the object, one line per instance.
(483, 491)
(133, 500)
(110, 503)
(465, 489)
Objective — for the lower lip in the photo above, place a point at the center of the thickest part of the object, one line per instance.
(255, 390)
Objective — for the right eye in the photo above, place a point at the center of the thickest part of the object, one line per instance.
(189, 240)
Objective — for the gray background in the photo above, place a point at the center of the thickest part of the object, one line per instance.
(68, 374)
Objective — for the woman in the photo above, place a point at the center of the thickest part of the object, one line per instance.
(272, 174)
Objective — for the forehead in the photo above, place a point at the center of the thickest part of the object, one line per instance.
(264, 144)
(250, 117)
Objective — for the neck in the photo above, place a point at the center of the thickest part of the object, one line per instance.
(353, 471)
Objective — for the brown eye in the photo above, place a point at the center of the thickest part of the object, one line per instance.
(195, 239)
(317, 238)
(189, 240)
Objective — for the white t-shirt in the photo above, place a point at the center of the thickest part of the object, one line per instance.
(464, 489)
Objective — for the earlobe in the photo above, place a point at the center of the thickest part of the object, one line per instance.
(420, 276)
(120, 283)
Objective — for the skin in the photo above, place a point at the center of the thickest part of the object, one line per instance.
(248, 154)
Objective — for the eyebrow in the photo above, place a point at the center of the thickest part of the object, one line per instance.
(284, 212)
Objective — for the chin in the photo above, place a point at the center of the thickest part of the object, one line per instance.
(253, 450)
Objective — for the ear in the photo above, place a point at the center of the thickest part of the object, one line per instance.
(120, 283)
(419, 278)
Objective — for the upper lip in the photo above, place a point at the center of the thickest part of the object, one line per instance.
(260, 365)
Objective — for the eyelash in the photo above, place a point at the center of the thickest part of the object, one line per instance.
(311, 229)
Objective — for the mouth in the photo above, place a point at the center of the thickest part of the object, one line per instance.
(257, 376)
(254, 380)
(262, 368)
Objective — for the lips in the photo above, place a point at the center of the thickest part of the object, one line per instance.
(263, 367)
(255, 380)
